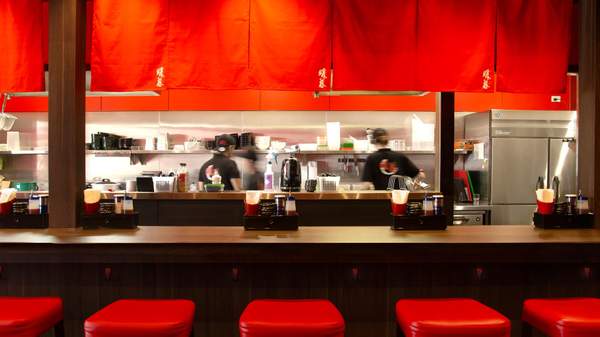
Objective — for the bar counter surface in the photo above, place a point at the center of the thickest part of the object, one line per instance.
(201, 244)
(363, 270)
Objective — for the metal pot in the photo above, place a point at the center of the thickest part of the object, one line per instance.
(105, 185)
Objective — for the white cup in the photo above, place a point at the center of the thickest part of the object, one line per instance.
(400, 197)
(13, 141)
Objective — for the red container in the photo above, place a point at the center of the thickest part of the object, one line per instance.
(398, 209)
(89, 209)
(251, 209)
(545, 208)
(6, 208)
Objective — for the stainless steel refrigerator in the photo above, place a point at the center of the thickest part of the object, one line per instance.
(521, 146)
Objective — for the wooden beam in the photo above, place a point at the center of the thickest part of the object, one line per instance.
(66, 113)
(446, 141)
(589, 103)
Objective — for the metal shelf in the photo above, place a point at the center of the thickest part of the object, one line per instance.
(23, 153)
(117, 153)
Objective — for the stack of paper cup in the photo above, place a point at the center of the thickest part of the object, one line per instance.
(545, 201)
(251, 203)
(399, 201)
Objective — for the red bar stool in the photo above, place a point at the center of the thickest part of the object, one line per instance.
(567, 317)
(455, 317)
(291, 318)
(30, 316)
(142, 318)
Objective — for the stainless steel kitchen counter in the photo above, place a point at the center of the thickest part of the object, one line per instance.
(349, 195)
(483, 206)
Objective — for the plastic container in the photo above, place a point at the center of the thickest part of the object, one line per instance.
(328, 184)
(164, 184)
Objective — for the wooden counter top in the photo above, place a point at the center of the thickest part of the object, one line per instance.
(468, 244)
(305, 235)
(342, 195)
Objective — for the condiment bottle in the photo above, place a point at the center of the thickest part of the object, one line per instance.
(127, 204)
(34, 205)
(290, 205)
(268, 182)
(119, 203)
(182, 178)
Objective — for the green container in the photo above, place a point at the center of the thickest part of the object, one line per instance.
(25, 186)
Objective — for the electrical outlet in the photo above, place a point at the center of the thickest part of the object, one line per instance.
(555, 99)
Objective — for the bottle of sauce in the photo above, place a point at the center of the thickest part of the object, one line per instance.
(182, 178)
(269, 176)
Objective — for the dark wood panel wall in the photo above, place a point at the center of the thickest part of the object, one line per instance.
(66, 110)
(589, 102)
(364, 293)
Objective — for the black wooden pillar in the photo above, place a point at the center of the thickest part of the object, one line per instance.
(66, 110)
(589, 103)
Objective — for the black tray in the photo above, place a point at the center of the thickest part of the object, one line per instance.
(117, 221)
(24, 221)
(276, 223)
(419, 222)
(563, 220)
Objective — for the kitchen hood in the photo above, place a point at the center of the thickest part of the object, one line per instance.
(88, 92)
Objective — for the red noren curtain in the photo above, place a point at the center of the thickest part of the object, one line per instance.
(208, 44)
(456, 45)
(21, 59)
(129, 45)
(533, 45)
(290, 44)
(374, 44)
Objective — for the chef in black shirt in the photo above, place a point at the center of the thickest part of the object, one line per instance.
(222, 164)
(384, 163)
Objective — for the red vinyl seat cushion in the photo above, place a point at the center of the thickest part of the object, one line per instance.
(142, 318)
(450, 318)
(567, 317)
(29, 316)
(291, 318)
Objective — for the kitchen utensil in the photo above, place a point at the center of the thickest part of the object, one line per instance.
(361, 145)
(333, 136)
(13, 140)
(308, 147)
(328, 183)
(310, 185)
(236, 137)
(291, 175)
(6, 120)
(162, 142)
(110, 142)
(163, 184)
(97, 142)
(25, 186)
(214, 187)
(192, 146)
(246, 139)
(262, 142)
(131, 186)
(125, 143)
(145, 184)
(150, 144)
(277, 145)
(105, 185)
(210, 144)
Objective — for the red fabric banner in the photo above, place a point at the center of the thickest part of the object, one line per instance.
(533, 45)
(456, 45)
(374, 44)
(129, 45)
(21, 59)
(88, 31)
(290, 44)
(208, 44)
